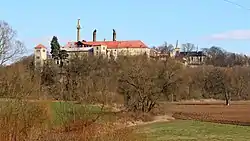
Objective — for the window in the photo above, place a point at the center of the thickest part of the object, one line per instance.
(97, 48)
(37, 57)
(97, 53)
(43, 50)
(37, 50)
(103, 48)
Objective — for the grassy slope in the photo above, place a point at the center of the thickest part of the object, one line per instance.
(195, 131)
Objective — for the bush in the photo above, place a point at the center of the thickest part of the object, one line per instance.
(19, 119)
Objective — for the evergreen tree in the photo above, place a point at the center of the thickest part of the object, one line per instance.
(55, 47)
(62, 56)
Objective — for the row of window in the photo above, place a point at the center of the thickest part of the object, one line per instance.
(103, 48)
(39, 50)
(196, 59)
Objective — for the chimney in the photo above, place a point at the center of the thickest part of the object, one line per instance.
(78, 28)
(114, 35)
(94, 35)
(104, 39)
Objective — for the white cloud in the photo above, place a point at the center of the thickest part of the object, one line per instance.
(232, 35)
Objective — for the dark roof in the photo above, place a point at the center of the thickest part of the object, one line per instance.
(193, 53)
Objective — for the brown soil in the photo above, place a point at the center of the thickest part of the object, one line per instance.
(237, 113)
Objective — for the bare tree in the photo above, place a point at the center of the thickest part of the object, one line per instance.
(240, 83)
(165, 48)
(188, 47)
(218, 82)
(10, 47)
(143, 82)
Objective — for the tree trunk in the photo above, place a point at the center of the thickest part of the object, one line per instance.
(227, 102)
(227, 98)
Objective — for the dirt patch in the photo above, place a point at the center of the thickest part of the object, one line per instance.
(163, 118)
(207, 118)
(237, 113)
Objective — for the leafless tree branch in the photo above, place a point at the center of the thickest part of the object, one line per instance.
(10, 48)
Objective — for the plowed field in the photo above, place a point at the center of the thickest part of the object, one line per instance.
(237, 113)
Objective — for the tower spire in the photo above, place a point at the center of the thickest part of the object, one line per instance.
(177, 43)
(78, 27)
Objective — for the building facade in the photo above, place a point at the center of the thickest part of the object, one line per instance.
(190, 57)
(108, 48)
(104, 48)
(187, 58)
(40, 55)
(114, 47)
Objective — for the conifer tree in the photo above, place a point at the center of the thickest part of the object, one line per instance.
(55, 47)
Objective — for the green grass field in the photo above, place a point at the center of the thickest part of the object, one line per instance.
(62, 112)
(180, 130)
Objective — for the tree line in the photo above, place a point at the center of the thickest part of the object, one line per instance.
(140, 83)
(216, 56)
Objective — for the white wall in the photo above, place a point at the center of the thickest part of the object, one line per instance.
(131, 51)
(100, 50)
(40, 56)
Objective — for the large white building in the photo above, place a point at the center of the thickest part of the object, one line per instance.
(109, 49)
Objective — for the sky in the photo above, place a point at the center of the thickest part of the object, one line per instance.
(204, 23)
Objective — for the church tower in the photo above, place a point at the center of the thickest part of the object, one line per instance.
(176, 50)
(78, 28)
(40, 55)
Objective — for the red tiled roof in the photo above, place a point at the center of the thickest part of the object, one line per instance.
(118, 44)
(40, 46)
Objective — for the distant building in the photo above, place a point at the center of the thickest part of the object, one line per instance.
(189, 58)
(193, 58)
(109, 48)
(40, 55)
(105, 48)
(114, 49)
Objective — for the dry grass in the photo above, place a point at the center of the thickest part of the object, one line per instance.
(28, 121)
(77, 131)
(20, 119)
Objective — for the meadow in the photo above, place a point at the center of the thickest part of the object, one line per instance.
(190, 130)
